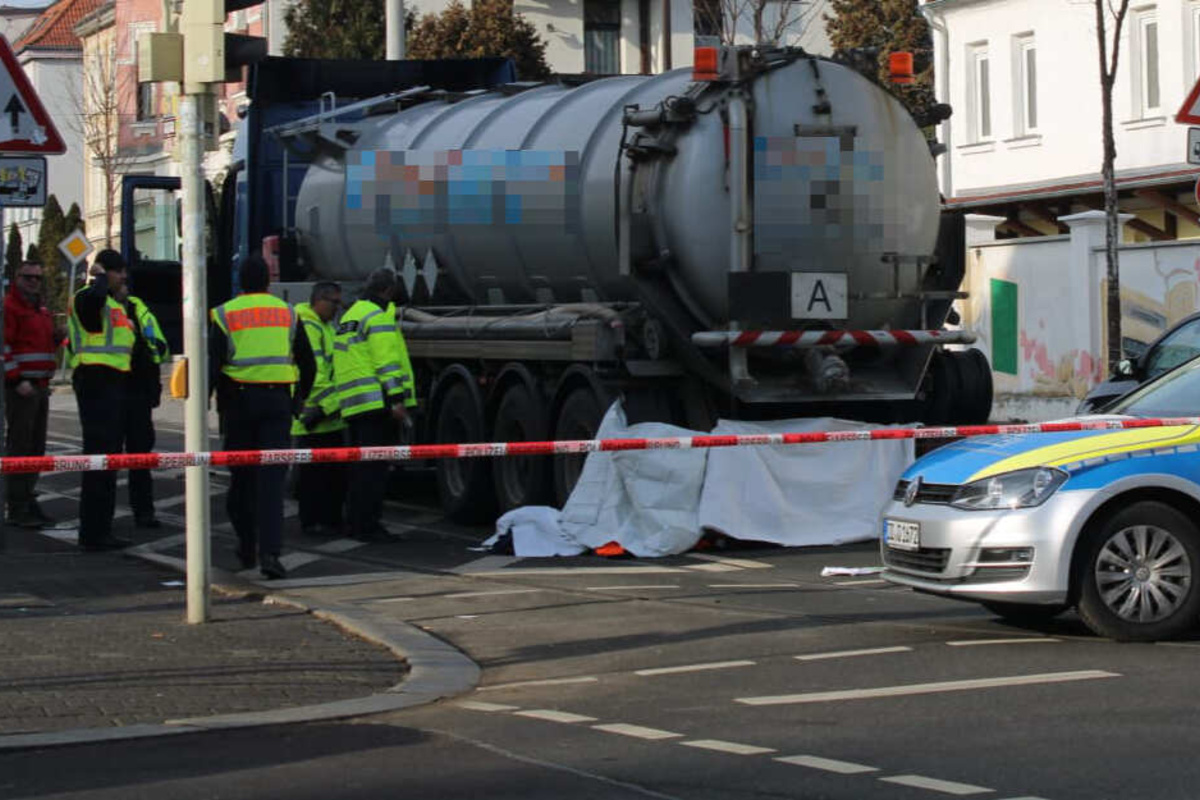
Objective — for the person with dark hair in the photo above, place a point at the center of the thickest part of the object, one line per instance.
(30, 344)
(375, 390)
(262, 367)
(101, 340)
(321, 487)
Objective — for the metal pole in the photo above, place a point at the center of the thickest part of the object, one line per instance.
(394, 23)
(195, 349)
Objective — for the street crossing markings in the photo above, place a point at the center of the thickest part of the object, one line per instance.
(475, 705)
(658, 586)
(1024, 640)
(874, 651)
(927, 688)
(554, 716)
(340, 546)
(935, 785)
(740, 563)
(714, 568)
(754, 586)
(546, 682)
(694, 667)
(728, 747)
(637, 731)
(828, 764)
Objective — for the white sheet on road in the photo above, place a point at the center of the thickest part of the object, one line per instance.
(659, 502)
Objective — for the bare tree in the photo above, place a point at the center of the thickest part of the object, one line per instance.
(1116, 10)
(769, 21)
(102, 98)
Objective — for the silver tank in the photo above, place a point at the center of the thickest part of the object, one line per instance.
(514, 194)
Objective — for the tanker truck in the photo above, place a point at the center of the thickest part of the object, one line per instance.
(756, 237)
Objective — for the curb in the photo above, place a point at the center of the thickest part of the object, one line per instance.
(437, 670)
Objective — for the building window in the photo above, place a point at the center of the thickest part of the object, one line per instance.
(146, 108)
(1025, 62)
(980, 93)
(602, 36)
(1145, 61)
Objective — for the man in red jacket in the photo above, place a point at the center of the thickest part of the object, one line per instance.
(30, 343)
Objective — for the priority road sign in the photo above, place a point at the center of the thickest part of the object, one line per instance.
(75, 247)
(25, 127)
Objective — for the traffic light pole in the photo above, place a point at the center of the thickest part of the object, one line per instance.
(195, 347)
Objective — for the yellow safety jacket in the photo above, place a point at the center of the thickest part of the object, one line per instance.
(370, 361)
(151, 331)
(324, 393)
(259, 329)
(112, 347)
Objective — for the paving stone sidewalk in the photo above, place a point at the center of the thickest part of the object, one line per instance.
(99, 640)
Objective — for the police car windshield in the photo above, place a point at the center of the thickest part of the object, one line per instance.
(1174, 394)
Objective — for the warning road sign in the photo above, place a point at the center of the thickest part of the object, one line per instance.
(25, 127)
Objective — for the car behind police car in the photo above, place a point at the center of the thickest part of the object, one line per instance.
(1029, 525)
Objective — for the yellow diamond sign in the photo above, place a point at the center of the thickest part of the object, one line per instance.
(75, 247)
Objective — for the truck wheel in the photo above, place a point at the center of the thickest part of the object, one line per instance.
(975, 375)
(1138, 574)
(464, 484)
(1025, 613)
(579, 418)
(520, 480)
(942, 386)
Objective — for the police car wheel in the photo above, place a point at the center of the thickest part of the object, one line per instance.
(1137, 576)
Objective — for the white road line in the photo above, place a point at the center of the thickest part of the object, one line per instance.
(927, 688)
(547, 682)
(728, 747)
(637, 731)
(475, 705)
(340, 546)
(740, 563)
(394, 600)
(828, 764)
(694, 667)
(297, 560)
(714, 568)
(935, 785)
(627, 588)
(554, 716)
(977, 642)
(494, 593)
(754, 586)
(874, 651)
(863, 582)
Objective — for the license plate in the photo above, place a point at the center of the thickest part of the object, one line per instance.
(902, 535)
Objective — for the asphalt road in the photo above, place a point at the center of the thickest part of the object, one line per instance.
(727, 674)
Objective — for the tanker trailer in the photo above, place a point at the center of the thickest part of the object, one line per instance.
(755, 239)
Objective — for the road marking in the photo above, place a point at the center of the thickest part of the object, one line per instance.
(637, 731)
(554, 716)
(863, 582)
(295, 560)
(935, 785)
(740, 563)
(976, 642)
(475, 705)
(570, 571)
(828, 764)
(340, 546)
(927, 688)
(694, 667)
(628, 588)
(728, 747)
(754, 586)
(547, 682)
(494, 593)
(874, 651)
(393, 600)
(714, 568)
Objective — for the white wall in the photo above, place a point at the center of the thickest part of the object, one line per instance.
(1069, 111)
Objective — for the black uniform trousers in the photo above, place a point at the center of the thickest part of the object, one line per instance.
(368, 479)
(26, 436)
(139, 438)
(322, 487)
(257, 417)
(100, 394)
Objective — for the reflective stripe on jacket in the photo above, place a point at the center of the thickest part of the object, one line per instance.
(370, 360)
(259, 330)
(111, 347)
(324, 394)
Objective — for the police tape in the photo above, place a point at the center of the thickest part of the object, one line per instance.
(340, 455)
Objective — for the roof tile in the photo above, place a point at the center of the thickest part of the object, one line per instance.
(54, 29)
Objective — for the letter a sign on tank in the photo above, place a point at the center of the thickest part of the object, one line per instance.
(25, 127)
